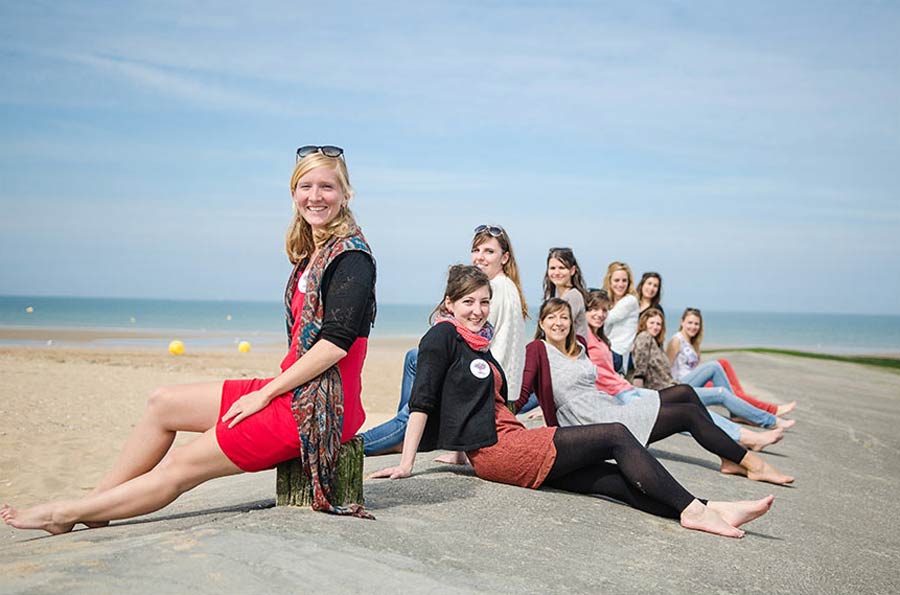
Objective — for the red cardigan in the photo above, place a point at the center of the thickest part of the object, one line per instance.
(536, 379)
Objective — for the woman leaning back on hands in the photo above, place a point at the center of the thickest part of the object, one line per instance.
(458, 402)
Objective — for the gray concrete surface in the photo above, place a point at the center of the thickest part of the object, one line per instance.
(445, 531)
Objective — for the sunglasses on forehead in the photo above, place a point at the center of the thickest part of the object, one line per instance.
(564, 250)
(495, 230)
(327, 150)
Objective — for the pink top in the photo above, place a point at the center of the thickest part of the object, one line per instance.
(608, 380)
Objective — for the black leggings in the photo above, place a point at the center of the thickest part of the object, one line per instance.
(680, 410)
(637, 479)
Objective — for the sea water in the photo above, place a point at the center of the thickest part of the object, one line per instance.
(219, 323)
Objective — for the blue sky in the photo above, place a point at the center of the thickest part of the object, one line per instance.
(748, 152)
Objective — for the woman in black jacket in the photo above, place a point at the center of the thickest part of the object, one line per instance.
(458, 402)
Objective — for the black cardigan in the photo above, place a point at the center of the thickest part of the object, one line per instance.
(459, 404)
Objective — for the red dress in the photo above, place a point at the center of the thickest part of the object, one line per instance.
(521, 457)
(270, 436)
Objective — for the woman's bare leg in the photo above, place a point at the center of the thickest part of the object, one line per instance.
(184, 407)
(183, 469)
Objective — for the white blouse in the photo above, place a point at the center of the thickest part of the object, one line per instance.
(508, 344)
(621, 324)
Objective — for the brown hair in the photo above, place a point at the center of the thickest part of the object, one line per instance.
(510, 268)
(695, 342)
(607, 280)
(654, 303)
(598, 298)
(645, 318)
(567, 257)
(549, 307)
(462, 280)
(300, 241)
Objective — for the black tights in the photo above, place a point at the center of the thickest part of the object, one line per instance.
(637, 479)
(680, 410)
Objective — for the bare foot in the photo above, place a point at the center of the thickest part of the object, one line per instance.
(703, 518)
(453, 458)
(782, 409)
(36, 517)
(784, 424)
(757, 469)
(743, 511)
(756, 441)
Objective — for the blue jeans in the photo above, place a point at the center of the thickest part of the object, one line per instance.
(706, 372)
(729, 427)
(530, 404)
(739, 407)
(390, 433)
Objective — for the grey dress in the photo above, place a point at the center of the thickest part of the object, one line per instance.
(579, 402)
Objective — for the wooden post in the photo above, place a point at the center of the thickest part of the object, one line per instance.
(293, 488)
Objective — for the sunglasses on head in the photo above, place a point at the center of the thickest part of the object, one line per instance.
(563, 250)
(495, 230)
(327, 150)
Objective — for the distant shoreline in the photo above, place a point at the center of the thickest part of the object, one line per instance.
(881, 360)
(111, 339)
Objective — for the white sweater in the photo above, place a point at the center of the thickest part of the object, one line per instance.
(621, 324)
(508, 344)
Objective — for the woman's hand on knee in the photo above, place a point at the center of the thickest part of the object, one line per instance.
(245, 407)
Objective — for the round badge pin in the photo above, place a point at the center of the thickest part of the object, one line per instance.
(480, 368)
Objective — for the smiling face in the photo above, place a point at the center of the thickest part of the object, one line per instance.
(560, 275)
(318, 196)
(690, 326)
(490, 257)
(650, 288)
(618, 282)
(556, 325)
(597, 316)
(471, 309)
(654, 326)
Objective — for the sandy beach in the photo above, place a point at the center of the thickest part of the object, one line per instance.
(66, 411)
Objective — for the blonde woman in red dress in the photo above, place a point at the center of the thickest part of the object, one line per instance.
(250, 425)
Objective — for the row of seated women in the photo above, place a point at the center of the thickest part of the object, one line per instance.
(596, 318)
(469, 365)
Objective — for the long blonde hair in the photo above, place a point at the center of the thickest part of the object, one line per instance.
(510, 268)
(698, 338)
(300, 241)
(607, 281)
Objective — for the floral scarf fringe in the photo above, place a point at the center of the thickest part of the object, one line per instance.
(318, 405)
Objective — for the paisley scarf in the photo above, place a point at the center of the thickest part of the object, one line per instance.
(318, 405)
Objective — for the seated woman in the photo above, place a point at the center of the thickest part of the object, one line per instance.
(621, 324)
(459, 403)
(612, 383)
(683, 350)
(558, 371)
(492, 253)
(649, 292)
(254, 424)
(652, 371)
(563, 279)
